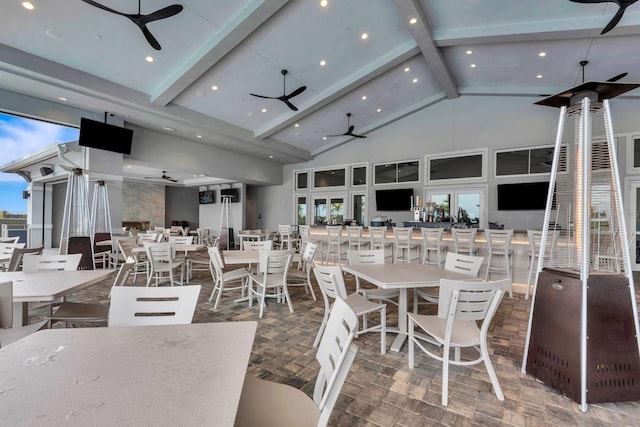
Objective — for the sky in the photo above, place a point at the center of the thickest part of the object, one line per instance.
(20, 136)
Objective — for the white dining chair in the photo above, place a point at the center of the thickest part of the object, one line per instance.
(162, 260)
(15, 263)
(80, 312)
(331, 283)
(303, 278)
(68, 262)
(142, 306)
(458, 263)
(461, 306)
(432, 244)
(272, 275)
(6, 251)
(225, 280)
(268, 404)
(372, 256)
(141, 263)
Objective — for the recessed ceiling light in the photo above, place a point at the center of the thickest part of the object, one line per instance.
(201, 175)
(415, 80)
(407, 69)
(148, 58)
(539, 76)
(323, 63)
(469, 52)
(169, 128)
(297, 125)
(324, 3)
(97, 36)
(379, 109)
(199, 93)
(324, 138)
(472, 65)
(542, 54)
(62, 98)
(413, 21)
(214, 87)
(264, 110)
(195, 176)
(364, 97)
(28, 5)
(364, 36)
(129, 166)
(198, 136)
(54, 34)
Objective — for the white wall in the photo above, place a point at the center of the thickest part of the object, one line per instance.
(468, 122)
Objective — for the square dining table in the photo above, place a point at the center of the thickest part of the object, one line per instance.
(402, 277)
(47, 286)
(176, 375)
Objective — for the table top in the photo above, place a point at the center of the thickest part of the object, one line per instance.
(241, 257)
(51, 285)
(412, 275)
(149, 375)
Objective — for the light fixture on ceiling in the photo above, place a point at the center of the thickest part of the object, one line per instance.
(214, 87)
(407, 69)
(364, 97)
(97, 36)
(469, 52)
(324, 3)
(148, 58)
(364, 36)
(412, 21)
(324, 138)
(28, 5)
(542, 54)
(198, 136)
(53, 34)
(379, 109)
(473, 65)
(271, 157)
(297, 125)
(169, 128)
(415, 80)
(264, 110)
(323, 63)
(539, 76)
(62, 98)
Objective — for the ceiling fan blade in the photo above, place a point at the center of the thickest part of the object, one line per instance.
(264, 96)
(333, 136)
(358, 136)
(618, 77)
(614, 21)
(589, 1)
(100, 6)
(152, 40)
(286, 101)
(296, 92)
(168, 178)
(165, 12)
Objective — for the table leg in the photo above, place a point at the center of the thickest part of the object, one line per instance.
(402, 322)
(20, 313)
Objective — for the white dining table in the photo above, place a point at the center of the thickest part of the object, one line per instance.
(402, 277)
(46, 286)
(178, 375)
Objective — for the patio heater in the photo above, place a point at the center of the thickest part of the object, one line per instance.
(100, 219)
(75, 236)
(582, 337)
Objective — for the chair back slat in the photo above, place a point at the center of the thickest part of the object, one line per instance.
(469, 300)
(138, 306)
(371, 256)
(464, 264)
(68, 262)
(330, 282)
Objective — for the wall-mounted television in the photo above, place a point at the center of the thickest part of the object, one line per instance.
(394, 200)
(206, 197)
(105, 136)
(526, 196)
(232, 193)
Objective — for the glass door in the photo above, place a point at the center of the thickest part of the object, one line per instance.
(328, 209)
(359, 208)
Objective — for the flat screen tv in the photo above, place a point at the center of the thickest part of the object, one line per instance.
(232, 193)
(394, 200)
(206, 197)
(105, 136)
(527, 196)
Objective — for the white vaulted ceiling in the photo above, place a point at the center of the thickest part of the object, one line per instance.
(96, 60)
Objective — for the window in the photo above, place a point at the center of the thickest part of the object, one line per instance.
(301, 180)
(328, 208)
(330, 178)
(465, 205)
(528, 161)
(457, 167)
(392, 173)
(301, 210)
(358, 175)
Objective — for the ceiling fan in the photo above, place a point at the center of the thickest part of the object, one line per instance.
(349, 131)
(285, 98)
(602, 90)
(142, 20)
(164, 176)
(622, 6)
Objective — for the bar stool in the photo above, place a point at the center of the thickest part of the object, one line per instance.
(334, 243)
(354, 237)
(500, 259)
(378, 240)
(402, 236)
(464, 240)
(431, 238)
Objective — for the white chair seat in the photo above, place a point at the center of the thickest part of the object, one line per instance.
(268, 404)
(81, 312)
(381, 294)
(361, 305)
(464, 333)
